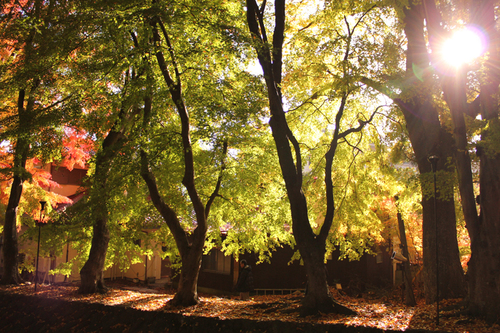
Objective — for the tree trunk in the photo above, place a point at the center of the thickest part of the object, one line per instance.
(10, 245)
(187, 290)
(484, 230)
(190, 246)
(484, 264)
(92, 272)
(409, 297)
(318, 296)
(447, 264)
(311, 246)
(429, 138)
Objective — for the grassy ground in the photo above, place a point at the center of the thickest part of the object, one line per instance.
(131, 308)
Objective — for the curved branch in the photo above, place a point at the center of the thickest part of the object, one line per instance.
(175, 89)
(219, 179)
(380, 87)
(165, 210)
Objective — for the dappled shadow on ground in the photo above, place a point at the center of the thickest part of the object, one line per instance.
(61, 308)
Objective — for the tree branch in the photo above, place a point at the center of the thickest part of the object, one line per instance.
(380, 87)
(215, 193)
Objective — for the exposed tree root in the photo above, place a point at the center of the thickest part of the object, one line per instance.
(180, 301)
(326, 306)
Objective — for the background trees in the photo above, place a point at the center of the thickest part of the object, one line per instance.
(470, 92)
(428, 136)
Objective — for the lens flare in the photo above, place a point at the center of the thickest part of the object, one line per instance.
(463, 47)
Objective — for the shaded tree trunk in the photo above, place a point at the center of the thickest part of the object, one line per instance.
(22, 148)
(483, 275)
(484, 265)
(187, 290)
(91, 273)
(10, 246)
(190, 246)
(409, 296)
(428, 138)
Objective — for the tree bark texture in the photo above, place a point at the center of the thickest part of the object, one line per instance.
(428, 138)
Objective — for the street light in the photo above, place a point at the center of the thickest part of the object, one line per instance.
(434, 159)
(42, 204)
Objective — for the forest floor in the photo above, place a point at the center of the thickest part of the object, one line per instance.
(127, 307)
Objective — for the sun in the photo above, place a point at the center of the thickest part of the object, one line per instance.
(464, 46)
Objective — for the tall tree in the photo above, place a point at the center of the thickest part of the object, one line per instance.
(429, 136)
(311, 241)
(464, 104)
(192, 56)
(36, 37)
(124, 76)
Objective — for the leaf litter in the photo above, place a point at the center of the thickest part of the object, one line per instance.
(384, 312)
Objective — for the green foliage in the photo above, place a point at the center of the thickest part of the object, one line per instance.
(328, 51)
(102, 72)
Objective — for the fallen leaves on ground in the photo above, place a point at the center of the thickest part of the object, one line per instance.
(380, 312)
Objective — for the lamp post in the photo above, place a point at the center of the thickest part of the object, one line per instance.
(42, 204)
(434, 159)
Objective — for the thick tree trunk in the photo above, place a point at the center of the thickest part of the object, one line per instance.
(484, 264)
(429, 138)
(92, 272)
(318, 296)
(187, 290)
(444, 236)
(484, 230)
